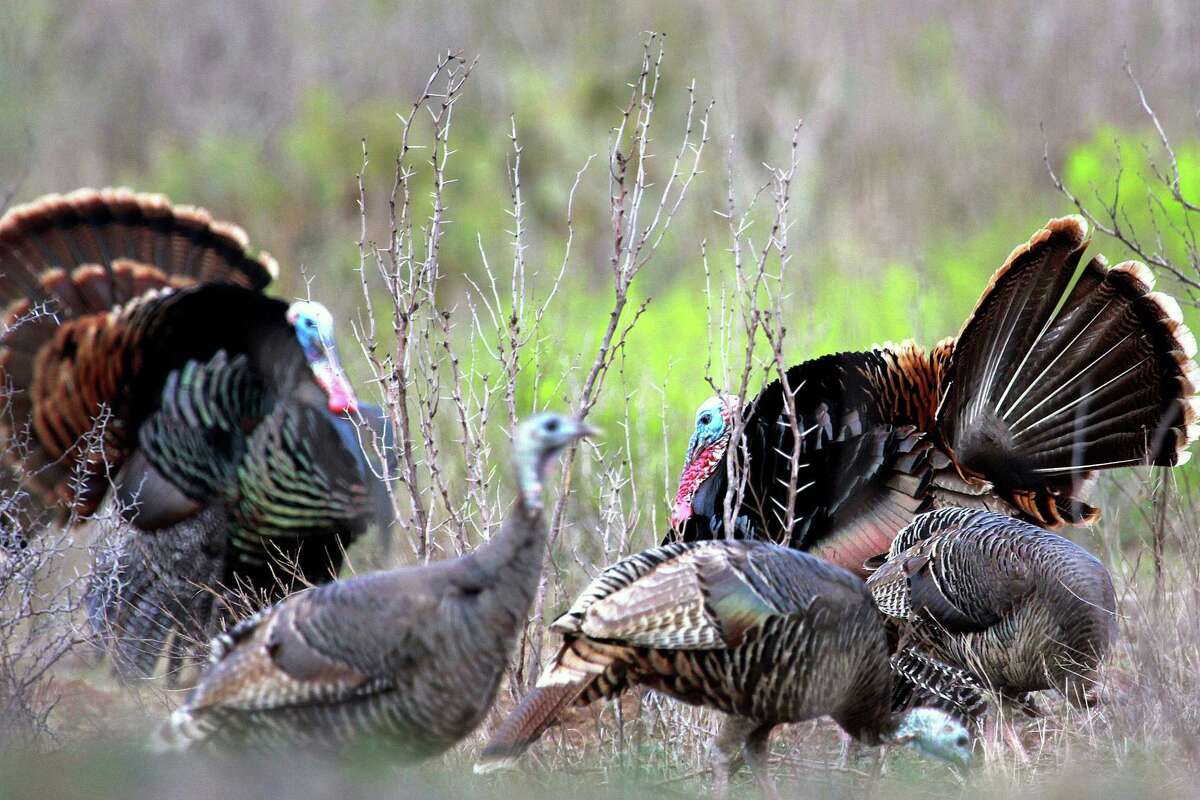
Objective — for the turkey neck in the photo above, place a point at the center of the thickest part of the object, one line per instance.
(518, 547)
(521, 542)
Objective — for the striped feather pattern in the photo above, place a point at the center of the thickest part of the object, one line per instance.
(90, 226)
(291, 483)
(1020, 608)
(920, 681)
(196, 436)
(816, 644)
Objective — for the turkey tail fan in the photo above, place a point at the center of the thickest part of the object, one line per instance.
(63, 257)
(53, 236)
(527, 722)
(1051, 380)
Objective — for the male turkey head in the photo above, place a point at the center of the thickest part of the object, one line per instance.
(706, 450)
(314, 330)
(537, 440)
(935, 734)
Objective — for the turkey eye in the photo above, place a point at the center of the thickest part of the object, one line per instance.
(552, 426)
(962, 741)
(705, 419)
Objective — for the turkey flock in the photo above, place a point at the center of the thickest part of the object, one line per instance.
(867, 539)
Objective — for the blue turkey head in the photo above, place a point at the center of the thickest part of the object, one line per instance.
(706, 449)
(314, 331)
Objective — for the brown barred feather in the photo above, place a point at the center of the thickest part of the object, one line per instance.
(528, 721)
(810, 643)
(920, 680)
(1019, 608)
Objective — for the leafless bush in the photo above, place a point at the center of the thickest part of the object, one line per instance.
(443, 402)
(36, 608)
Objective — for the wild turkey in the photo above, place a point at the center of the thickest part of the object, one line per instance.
(1047, 382)
(153, 378)
(1018, 607)
(765, 634)
(413, 655)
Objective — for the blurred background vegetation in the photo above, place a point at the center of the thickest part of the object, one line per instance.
(920, 168)
(921, 153)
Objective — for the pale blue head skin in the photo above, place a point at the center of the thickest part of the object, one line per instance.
(711, 425)
(536, 441)
(314, 328)
(935, 734)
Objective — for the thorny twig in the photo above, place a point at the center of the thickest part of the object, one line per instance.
(633, 245)
(1113, 218)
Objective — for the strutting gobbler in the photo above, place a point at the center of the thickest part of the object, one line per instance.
(1059, 372)
(151, 373)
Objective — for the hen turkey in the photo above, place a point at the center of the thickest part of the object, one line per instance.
(1019, 608)
(411, 657)
(765, 634)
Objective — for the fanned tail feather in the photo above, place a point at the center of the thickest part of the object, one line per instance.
(96, 229)
(1056, 375)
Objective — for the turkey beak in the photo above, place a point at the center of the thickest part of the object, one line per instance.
(328, 372)
(586, 431)
(693, 448)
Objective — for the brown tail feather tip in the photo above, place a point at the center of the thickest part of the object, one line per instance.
(1074, 228)
(527, 722)
(125, 206)
(1137, 272)
(1171, 316)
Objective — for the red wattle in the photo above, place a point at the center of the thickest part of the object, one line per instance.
(341, 394)
(682, 512)
(695, 472)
